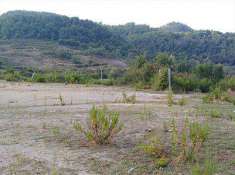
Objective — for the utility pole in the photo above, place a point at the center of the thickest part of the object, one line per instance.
(101, 72)
(169, 78)
(32, 77)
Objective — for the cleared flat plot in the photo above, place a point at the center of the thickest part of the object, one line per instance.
(37, 135)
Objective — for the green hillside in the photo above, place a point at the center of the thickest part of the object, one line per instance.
(123, 41)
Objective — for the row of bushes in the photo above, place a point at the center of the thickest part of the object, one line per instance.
(70, 77)
(186, 76)
(180, 82)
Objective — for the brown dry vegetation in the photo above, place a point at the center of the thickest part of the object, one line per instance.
(44, 55)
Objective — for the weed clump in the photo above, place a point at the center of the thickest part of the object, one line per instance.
(128, 99)
(215, 113)
(102, 125)
(218, 94)
(208, 168)
(182, 145)
(182, 101)
(61, 100)
(170, 98)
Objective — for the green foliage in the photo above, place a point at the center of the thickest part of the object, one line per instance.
(106, 82)
(139, 70)
(207, 99)
(55, 131)
(39, 77)
(124, 41)
(71, 77)
(208, 168)
(215, 113)
(11, 75)
(154, 147)
(183, 145)
(164, 60)
(227, 83)
(185, 82)
(217, 94)
(210, 71)
(204, 84)
(54, 171)
(174, 137)
(102, 125)
(198, 133)
(162, 162)
(161, 79)
(84, 34)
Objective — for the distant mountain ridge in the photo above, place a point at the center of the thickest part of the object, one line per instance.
(176, 27)
(121, 41)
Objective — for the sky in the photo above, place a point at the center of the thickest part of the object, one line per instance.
(199, 14)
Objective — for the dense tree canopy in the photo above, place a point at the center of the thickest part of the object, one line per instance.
(123, 41)
(69, 31)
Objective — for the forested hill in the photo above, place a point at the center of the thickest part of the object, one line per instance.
(123, 41)
(83, 34)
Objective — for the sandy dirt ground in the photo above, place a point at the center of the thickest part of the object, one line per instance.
(37, 135)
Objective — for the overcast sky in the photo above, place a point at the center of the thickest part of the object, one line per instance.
(199, 14)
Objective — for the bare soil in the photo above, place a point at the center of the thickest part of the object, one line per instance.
(37, 135)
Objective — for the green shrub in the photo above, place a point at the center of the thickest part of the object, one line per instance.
(204, 85)
(154, 147)
(54, 77)
(207, 99)
(102, 125)
(184, 82)
(162, 162)
(215, 113)
(186, 144)
(231, 116)
(39, 77)
(227, 83)
(198, 133)
(71, 77)
(217, 94)
(12, 76)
